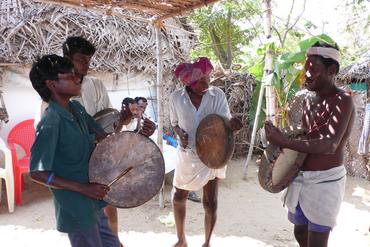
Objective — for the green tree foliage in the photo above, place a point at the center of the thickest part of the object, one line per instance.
(284, 29)
(355, 29)
(226, 27)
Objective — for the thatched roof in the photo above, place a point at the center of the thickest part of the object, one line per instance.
(124, 42)
(357, 72)
(159, 9)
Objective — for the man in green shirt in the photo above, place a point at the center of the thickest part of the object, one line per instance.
(60, 155)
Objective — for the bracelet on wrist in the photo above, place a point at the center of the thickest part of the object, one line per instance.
(50, 178)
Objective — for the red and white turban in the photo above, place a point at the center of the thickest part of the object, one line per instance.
(190, 73)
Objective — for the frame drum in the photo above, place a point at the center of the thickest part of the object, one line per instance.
(214, 141)
(108, 119)
(114, 154)
(278, 166)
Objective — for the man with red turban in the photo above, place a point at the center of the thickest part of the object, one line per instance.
(188, 106)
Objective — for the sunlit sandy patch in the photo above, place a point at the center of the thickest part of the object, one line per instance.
(167, 239)
(18, 236)
(349, 232)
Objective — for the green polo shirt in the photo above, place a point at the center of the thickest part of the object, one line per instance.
(63, 145)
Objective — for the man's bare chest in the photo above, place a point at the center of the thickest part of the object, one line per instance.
(317, 113)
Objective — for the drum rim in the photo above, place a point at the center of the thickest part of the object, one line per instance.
(113, 112)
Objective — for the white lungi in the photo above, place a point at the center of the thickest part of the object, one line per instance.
(319, 193)
(190, 173)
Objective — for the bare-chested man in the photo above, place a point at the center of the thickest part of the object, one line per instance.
(314, 197)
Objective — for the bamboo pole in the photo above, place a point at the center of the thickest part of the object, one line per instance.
(265, 86)
(9, 64)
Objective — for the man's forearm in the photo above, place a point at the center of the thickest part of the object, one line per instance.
(314, 146)
(55, 182)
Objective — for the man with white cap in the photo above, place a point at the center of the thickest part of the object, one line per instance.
(188, 106)
(314, 197)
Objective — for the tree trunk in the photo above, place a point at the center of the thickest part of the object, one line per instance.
(229, 55)
(217, 46)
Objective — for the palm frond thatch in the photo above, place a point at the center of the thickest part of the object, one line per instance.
(357, 72)
(160, 10)
(32, 29)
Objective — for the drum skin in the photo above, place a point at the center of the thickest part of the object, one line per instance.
(116, 153)
(108, 119)
(214, 141)
(279, 167)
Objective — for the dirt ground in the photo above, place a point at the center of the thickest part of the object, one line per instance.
(247, 216)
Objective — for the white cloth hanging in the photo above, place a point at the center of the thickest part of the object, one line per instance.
(364, 142)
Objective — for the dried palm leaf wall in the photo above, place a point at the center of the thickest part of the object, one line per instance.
(238, 88)
(359, 72)
(356, 164)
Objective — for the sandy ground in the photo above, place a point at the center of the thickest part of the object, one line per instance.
(247, 216)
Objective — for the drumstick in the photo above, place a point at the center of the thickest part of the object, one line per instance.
(137, 132)
(120, 176)
(125, 172)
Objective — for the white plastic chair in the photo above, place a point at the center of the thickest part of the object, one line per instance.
(6, 173)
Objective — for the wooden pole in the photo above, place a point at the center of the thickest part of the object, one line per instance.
(158, 26)
(159, 84)
(265, 86)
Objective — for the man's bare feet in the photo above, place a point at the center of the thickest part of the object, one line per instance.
(181, 243)
(206, 245)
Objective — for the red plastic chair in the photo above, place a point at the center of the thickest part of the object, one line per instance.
(23, 135)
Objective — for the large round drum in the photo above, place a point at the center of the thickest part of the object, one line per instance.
(279, 167)
(114, 155)
(108, 119)
(214, 141)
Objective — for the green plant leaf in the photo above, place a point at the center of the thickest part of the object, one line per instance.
(253, 107)
(288, 59)
(257, 70)
(305, 44)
